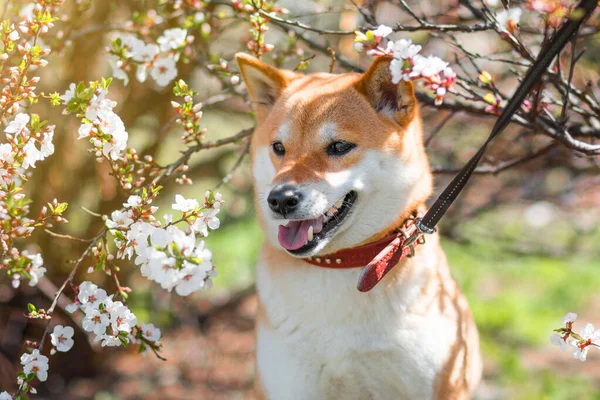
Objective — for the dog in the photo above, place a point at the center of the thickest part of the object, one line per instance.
(338, 163)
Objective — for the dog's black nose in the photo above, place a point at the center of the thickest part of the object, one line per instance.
(284, 199)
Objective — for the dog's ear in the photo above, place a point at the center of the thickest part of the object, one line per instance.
(263, 81)
(396, 101)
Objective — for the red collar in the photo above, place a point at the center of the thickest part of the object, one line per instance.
(378, 258)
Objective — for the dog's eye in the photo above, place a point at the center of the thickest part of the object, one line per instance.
(339, 148)
(278, 148)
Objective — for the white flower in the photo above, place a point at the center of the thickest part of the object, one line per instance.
(590, 333)
(111, 124)
(6, 153)
(184, 205)
(121, 318)
(69, 94)
(164, 70)
(32, 154)
(510, 18)
(5, 396)
(133, 201)
(570, 317)
(47, 145)
(580, 353)
(90, 293)
(84, 130)
(117, 72)
(382, 31)
(35, 270)
(62, 338)
(172, 39)
(14, 35)
(18, 125)
(132, 45)
(97, 104)
(557, 340)
(95, 320)
(404, 49)
(591, 336)
(146, 54)
(37, 363)
(71, 308)
(207, 219)
(150, 333)
(16, 281)
(427, 66)
(119, 218)
(191, 281)
(108, 340)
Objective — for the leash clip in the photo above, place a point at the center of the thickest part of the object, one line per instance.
(416, 236)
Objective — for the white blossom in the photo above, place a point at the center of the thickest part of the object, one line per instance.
(37, 363)
(69, 94)
(207, 219)
(5, 396)
(133, 201)
(71, 308)
(164, 70)
(172, 39)
(118, 72)
(18, 125)
(184, 205)
(557, 340)
(95, 320)
(121, 318)
(150, 332)
(62, 338)
(427, 66)
(404, 49)
(99, 103)
(510, 17)
(90, 293)
(382, 31)
(108, 340)
(119, 218)
(591, 336)
(36, 270)
(569, 317)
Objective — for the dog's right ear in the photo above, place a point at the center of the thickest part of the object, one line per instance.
(263, 81)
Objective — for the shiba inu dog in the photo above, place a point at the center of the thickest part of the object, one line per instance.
(339, 163)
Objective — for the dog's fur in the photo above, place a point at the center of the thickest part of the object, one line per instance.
(318, 337)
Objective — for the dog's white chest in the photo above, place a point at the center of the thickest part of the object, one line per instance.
(325, 339)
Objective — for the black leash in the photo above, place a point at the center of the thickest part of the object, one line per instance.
(557, 42)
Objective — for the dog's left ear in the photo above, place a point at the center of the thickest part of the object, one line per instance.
(264, 82)
(396, 101)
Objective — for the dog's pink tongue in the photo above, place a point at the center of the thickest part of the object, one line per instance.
(294, 235)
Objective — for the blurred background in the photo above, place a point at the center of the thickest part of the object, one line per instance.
(522, 243)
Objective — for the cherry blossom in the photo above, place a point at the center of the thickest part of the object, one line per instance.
(36, 363)
(36, 270)
(164, 71)
(172, 39)
(590, 336)
(183, 204)
(509, 19)
(18, 125)
(150, 332)
(121, 318)
(62, 338)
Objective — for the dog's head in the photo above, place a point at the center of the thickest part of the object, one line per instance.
(337, 159)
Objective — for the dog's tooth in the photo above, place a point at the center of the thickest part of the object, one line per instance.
(286, 223)
(310, 234)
